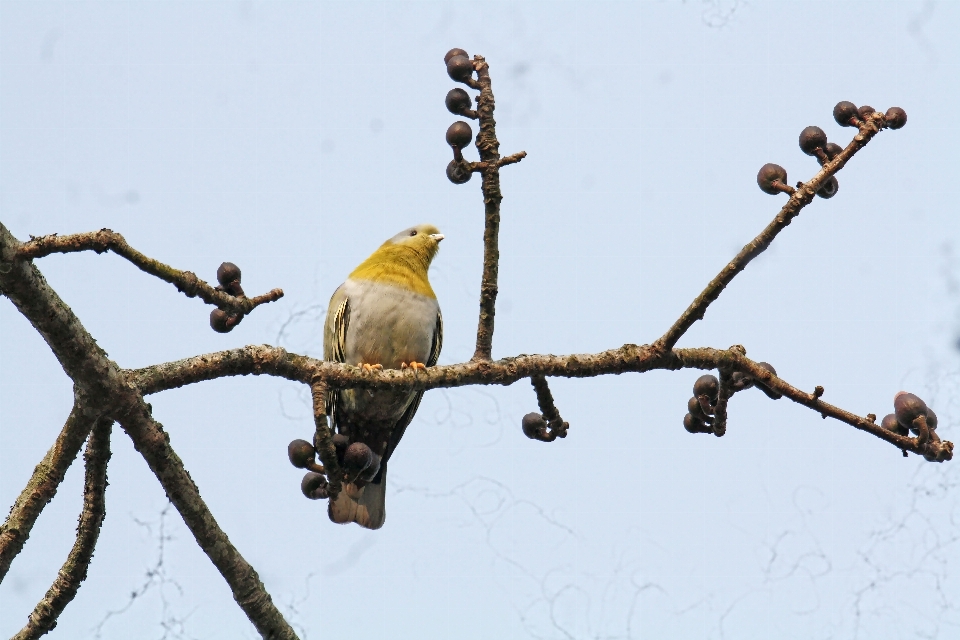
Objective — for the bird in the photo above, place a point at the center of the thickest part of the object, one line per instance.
(384, 316)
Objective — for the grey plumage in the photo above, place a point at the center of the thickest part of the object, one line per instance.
(376, 322)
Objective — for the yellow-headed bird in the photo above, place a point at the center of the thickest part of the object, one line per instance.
(385, 315)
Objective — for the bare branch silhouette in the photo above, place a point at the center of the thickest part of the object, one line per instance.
(156, 577)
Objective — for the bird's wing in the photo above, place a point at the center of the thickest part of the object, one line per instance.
(407, 416)
(335, 340)
(437, 341)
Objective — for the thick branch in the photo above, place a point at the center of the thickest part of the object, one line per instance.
(106, 388)
(800, 198)
(42, 487)
(274, 361)
(74, 570)
(107, 240)
(265, 359)
(154, 445)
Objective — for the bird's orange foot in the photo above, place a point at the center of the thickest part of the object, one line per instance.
(416, 366)
(369, 367)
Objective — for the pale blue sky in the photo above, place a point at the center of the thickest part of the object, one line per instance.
(293, 138)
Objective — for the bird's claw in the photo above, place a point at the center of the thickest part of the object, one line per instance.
(416, 366)
(369, 367)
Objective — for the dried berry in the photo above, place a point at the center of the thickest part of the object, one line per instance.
(707, 385)
(829, 188)
(314, 486)
(865, 112)
(891, 424)
(459, 134)
(832, 150)
(811, 139)
(452, 53)
(770, 393)
(895, 117)
(356, 458)
(908, 408)
(220, 321)
(457, 173)
(694, 424)
(534, 426)
(845, 113)
(301, 453)
(459, 68)
(694, 408)
(458, 101)
(772, 178)
(740, 381)
(227, 273)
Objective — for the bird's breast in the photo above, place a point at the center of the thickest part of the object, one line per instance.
(388, 325)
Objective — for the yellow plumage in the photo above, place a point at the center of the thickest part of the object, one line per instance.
(385, 315)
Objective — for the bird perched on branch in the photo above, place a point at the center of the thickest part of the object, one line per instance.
(385, 316)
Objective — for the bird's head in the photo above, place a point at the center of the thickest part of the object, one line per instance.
(404, 259)
(423, 239)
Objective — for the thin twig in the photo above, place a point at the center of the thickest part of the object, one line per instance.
(719, 423)
(323, 439)
(489, 148)
(869, 127)
(185, 281)
(42, 486)
(557, 428)
(74, 570)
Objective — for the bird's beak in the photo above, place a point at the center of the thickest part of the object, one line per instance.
(437, 236)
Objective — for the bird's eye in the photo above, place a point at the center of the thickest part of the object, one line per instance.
(413, 233)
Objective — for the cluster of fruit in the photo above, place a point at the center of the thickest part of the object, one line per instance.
(228, 275)
(911, 414)
(702, 407)
(358, 464)
(772, 178)
(459, 102)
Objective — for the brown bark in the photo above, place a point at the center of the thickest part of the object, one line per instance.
(42, 487)
(186, 282)
(106, 391)
(74, 570)
(800, 198)
(489, 148)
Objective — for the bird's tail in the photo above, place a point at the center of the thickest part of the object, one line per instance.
(365, 505)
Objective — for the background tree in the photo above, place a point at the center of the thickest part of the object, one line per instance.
(138, 113)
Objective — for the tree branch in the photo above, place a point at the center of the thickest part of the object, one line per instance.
(264, 359)
(489, 148)
(186, 282)
(42, 486)
(800, 198)
(323, 440)
(74, 570)
(153, 443)
(106, 387)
